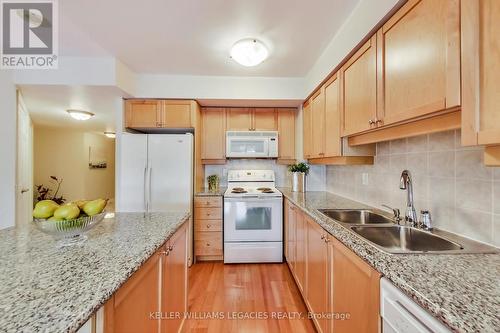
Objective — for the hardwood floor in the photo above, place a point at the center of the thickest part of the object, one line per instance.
(236, 292)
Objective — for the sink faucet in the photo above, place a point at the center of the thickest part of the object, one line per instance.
(406, 184)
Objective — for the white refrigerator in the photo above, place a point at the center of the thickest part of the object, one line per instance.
(156, 174)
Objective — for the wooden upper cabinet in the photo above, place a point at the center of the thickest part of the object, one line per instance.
(318, 124)
(176, 114)
(480, 72)
(174, 281)
(359, 89)
(239, 119)
(213, 134)
(143, 113)
(151, 113)
(265, 119)
(318, 283)
(307, 129)
(332, 117)
(356, 290)
(286, 134)
(419, 60)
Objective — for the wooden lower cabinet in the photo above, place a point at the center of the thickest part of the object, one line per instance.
(317, 291)
(356, 291)
(208, 228)
(339, 288)
(158, 288)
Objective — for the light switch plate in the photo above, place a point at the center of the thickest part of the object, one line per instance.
(364, 178)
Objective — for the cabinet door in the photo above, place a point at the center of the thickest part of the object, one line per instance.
(176, 114)
(332, 117)
(213, 134)
(286, 134)
(419, 65)
(143, 113)
(318, 124)
(265, 119)
(480, 72)
(239, 119)
(290, 227)
(129, 309)
(356, 291)
(300, 250)
(174, 281)
(359, 89)
(307, 130)
(317, 273)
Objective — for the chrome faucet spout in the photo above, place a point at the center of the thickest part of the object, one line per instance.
(406, 183)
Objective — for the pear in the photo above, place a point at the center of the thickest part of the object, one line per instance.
(54, 219)
(44, 209)
(67, 212)
(80, 203)
(94, 207)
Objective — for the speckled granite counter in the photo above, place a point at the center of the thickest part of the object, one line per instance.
(206, 193)
(463, 291)
(45, 289)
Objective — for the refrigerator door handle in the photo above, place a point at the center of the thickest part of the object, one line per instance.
(144, 189)
(149, 196)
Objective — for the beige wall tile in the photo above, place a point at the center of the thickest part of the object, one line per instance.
(474, 194)
(469, 164)
(398, 146)
(442, 164)
(442, 141)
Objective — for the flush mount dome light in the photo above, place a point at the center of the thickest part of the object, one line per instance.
(249, 52)
(110, 135)
(80, 114)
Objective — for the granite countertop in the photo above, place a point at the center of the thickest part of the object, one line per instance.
(461, 290)
(46, 289)
(206, 193)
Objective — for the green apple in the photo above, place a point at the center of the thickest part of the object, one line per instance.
(44, 209)
(94, 207)
(67, 212)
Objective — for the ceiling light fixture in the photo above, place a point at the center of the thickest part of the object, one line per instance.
(249, 52)
(80, 115)
(110, 135)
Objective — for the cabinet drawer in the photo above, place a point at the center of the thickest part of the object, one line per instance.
(208, 225)
(208, 243)
(208, 201)
(208, 213)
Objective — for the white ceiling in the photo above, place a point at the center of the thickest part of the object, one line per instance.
(193, 37)
(47, 105)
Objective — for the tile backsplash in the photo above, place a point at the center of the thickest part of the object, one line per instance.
(451, 181)
(316, 180)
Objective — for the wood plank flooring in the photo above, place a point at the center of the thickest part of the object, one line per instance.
(235, 292)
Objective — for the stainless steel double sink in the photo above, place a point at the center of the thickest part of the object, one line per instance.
(383, 232)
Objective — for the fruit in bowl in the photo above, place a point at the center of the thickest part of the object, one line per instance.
(69, 222)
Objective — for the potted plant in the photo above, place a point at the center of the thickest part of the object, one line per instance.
(299, 172)
(213, 183)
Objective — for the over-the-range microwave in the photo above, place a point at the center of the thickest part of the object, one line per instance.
(251, 144)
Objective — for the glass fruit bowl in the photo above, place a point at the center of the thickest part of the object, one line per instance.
(69, 232)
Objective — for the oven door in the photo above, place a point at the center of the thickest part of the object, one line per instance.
(252, 219)
(240, 146)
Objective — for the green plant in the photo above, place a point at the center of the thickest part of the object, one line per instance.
(299, 167)
(213, 182)
(45, 192)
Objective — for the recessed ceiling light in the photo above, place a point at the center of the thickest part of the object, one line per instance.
(110, 135)
(249, 52)
(80, 114)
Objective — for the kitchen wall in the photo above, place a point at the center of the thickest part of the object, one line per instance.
(316, 179)
(65, 154)
(451, 181)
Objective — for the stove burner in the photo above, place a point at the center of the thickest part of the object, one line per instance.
(268, 191)
(263, 189)
(238, 190)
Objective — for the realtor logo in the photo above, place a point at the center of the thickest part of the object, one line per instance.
(29, 34)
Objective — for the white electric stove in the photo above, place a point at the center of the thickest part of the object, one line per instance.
(253, 218)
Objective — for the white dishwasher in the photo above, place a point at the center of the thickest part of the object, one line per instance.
(400, 314)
